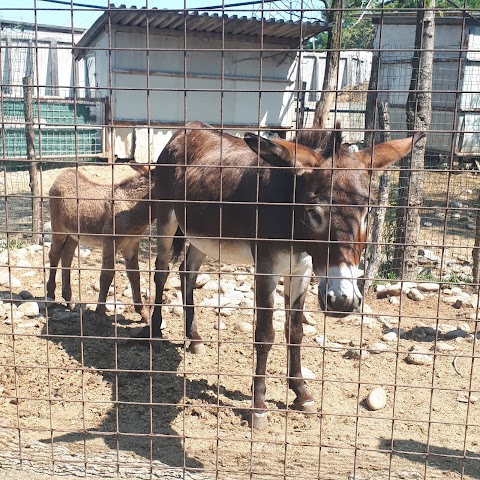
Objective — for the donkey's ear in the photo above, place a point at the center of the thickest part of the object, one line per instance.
(384, 154)
(280, 153)
(273, 153)
(141, 168)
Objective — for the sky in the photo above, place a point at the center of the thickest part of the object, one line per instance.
(51, 13)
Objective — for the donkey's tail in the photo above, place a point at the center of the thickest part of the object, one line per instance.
(178, 244)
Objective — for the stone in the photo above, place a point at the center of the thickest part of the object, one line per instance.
(356, 353)
(219, 325)
(309, 329)
(7, 280)
(244, 287)
(378, 347)
(211, 285)
(376, 399)
(115, 306)
(307, 374)
(442, 347)
(419, 356)
(128, 292)
(390, 337)
(428, 287)
(243, 327)
(394, 300)
(415, 295)
(278, 325)
(333, 346)
(226, 287)
(29, 309)
(308, 319)
(321, 339)
(202, 280)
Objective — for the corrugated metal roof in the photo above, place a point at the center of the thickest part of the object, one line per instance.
(278, 31)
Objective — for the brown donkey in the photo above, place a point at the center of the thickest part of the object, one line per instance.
(84, 211)
(285, 207)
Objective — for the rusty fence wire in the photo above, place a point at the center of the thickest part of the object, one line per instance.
(207, 127)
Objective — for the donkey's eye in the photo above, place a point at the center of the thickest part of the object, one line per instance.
(316, 215)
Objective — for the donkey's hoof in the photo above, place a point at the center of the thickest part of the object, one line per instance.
(305, 406)
(197, 348)
(259, 420)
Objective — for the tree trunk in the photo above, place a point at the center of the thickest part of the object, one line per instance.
(30, 138)
(476, 248)
(418, 110)
(371, 106)
(330, 80)
(375, 248)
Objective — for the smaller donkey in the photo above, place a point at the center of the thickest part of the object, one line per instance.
(96, 215)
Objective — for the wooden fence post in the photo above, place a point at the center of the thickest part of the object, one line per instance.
(33, 170)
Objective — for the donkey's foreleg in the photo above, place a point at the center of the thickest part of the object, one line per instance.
(106, 277)
(296, 288)
(130, 254)
(188, 275)
(54, 256)
(166, 228)
(264, 337)
(68, 251)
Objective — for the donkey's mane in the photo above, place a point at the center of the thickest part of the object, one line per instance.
(327, 143)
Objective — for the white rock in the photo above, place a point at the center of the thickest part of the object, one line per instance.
(23, 263)
(415, 295)
(211, 285)
(428, 287)
(115, 306)
(367, 309)
(321, 339)
(128, 292)
(394, 300)
(7, 280)
(308, 319)
(219, 325)
(227, 287)
(390, 337)
(378, 347)
(244, 287)
(356, 353)
(85, 252)
(377, 399)
(278, 325)
(333, 346)
(201, 280)
(457, 291)
(309, 329)
(29, 309)
(307, 374)
(243, 327)
(442, 347)
(419, 356)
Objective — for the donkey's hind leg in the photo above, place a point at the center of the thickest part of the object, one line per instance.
(68, 251)
(130, 254)
(58, 241)
(188, 275)
(166, 228)
(106, 277)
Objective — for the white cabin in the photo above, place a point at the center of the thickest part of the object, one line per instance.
(162, 69)
(455, 123)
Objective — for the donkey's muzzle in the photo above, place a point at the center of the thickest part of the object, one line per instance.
(341, 297)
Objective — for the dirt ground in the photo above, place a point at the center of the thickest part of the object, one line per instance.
(75, 402)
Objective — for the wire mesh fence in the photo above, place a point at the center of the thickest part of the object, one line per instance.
(197, 129)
